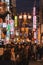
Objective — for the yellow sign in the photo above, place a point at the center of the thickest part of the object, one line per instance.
(15, 21)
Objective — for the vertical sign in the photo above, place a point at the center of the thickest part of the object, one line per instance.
(8, 31)
(34, 18)
(15, 21)
(34, 24)
(12, 28)
(8, 26)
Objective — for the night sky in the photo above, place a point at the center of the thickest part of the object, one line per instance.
(25, 5)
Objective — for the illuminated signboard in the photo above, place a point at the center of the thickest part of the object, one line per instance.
(12, 26)
(34, 19)
(8, 27)
(8, 30)
(35, 35)
(35, 24)
(4, 25)
(15, 21)
(34, 11)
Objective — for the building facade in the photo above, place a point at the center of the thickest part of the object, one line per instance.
(41, 20)
(13, 7)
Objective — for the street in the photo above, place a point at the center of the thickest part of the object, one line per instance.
(21, 32)
(36, 63)
(12, 63)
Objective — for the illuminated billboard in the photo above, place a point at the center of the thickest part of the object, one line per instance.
(4, 25)
(15, 21)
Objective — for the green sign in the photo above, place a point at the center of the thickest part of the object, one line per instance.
(8, 27)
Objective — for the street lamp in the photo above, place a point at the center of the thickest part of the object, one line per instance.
(24, 16)
(29, 16)
(20, 16)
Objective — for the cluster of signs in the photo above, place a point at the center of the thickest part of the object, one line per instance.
(9, 25)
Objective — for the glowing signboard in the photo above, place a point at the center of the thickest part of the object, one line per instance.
(15, 21)
(4, 25)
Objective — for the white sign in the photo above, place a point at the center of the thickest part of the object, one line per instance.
(34, 26)
(34, 11)
(4, 25)
(7, 1)
(35, 35)
(34, 19)
(12, 26)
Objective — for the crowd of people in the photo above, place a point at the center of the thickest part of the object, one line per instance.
(21, 54)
